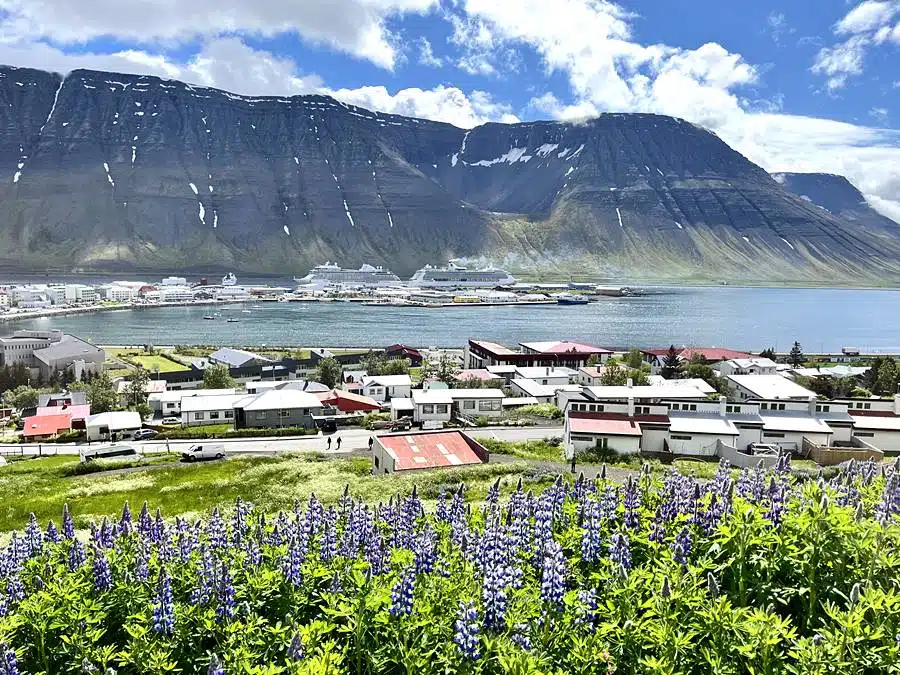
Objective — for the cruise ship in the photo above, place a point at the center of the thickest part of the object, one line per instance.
(455, 275)
(333, 274)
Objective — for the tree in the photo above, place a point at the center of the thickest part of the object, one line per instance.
(444, 369)
(395, 367)
(102, 394)
(22, 396)
(218, 377)
(136, 391)
(373, 363)
(634, 359)
(328, 372)
(593, 361)
(886, 380)
(796, 357)
(768, 353)
(614, 375)
(639, 378)
(671, 364)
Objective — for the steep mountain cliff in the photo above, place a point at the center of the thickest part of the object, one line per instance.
(124, 172)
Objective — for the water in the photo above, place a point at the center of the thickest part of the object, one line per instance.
(748, 318)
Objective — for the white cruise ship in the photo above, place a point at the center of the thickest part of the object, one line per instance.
(333, 274)
(455, 275)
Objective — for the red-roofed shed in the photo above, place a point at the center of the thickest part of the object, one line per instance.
(347, 402)
(424, 450)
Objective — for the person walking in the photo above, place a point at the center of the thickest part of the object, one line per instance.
(339, 443)
(328, 444)
(371, 442)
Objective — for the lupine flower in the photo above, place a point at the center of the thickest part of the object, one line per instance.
(77, 555)
(425, 550)
(102, 571)
(126, 522)
(591, 536)
(225, 595)
(620, 550)
(587, 607)
(142, 562)
(215, 666)
(681, 548)
(889, 505)
(632, 503)
(164, 606)
(8, 662)
(15, 591)
(520, 636)
(402, 594)
(206, 575)
(34, 538)
(68, 524)
(467, 631)
(145, 522)
(494, 597)
(295, 649)
(777, 498)
(553, 581)
(52, 534)
(292, 567)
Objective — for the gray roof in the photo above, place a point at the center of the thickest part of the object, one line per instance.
(67, 350)
(235, 358)
(77, 398)
(304, 385)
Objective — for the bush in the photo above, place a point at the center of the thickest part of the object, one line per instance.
(533, 450)
(369, 420)
(73, 436)
(543, 410)
(200, 433)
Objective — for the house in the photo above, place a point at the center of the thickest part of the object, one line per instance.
(544, 393)
(308, 386)
(347, 402)
(611, 431)
(771, 387)
(277, 409)
(383, 388)
(876, 421)
(482, 354)
(591, 375)
(168, 403)
(237, 358)
(425, 450)
(47, 352)
(478, 375)
(77, 413)
(402, 407)
(474, 403)
(434, 405)
(656, 357)
(62, 398)
(547, 375)
(398, 351)
(42, 427)
(751, 366)
(112, 425)
(831, 371)
(202, 410)
(151, 387)
(697, 435)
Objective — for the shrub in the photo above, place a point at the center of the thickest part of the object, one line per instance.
(370, 420)
(72, 436)
(543, 410)
(533, 450)
(200, 433)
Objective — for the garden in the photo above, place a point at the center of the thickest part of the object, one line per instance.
(750, 572)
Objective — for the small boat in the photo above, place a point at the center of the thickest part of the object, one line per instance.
(232, 320)
(570, 299)
(209, 317)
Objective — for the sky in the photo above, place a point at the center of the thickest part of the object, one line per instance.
(807, 85)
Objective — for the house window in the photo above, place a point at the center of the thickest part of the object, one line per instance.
(581, 439)
(284, 413)
(679, 437)
(867, 406)
(428, 409)
(642, 410)
(781, 406)
(214, 415)
(170, 406)
(489, 405)
(823, 408)
(440, 408)
(468, 405)
(693, 406)
(676, 406)
(770, 434)
(198, 416)
(262, 415)
(229, 414)
(763, 406)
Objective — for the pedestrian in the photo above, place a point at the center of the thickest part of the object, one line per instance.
(328, 445)
(339, 443)
(371, 442)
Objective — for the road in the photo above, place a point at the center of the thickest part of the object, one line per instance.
(352, 439)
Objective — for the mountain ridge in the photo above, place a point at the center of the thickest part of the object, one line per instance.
(112, 171)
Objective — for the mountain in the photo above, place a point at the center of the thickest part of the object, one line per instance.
(135, 173)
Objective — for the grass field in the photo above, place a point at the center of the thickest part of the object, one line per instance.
(154, 362)
(41, 486)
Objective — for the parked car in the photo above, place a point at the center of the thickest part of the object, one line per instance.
(107, 452)
(171, 420)
(144, 434)
(199, 452)
(328, 426)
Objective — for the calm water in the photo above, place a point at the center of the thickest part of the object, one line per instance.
(751, 318)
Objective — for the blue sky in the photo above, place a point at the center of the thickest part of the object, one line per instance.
(807, 86)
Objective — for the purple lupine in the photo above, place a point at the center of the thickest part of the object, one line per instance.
(34, 538)
(377, 555)
(295, 649)
(52, 534)
(159, 526)
(145, 522)
(889, 505)
(591, 535)
(216, 667)
(520, 636)
(101, 570)
(206, 575)
(292, 564)
(402, 594)
(467, 631)
(253, 553)
(751, 484)
(106, 534)
(142, 561)
(681, 548)
(632, 503)
(225, 595)
(126, 522)
(620, 551)
(494, 597)
(15, 590)
(586, 613)
(8, 661)
(77, 555)
(425, 549)
(164, 605)
(777, 502)
(329, 545)
(609, 503)
(441, 510)
(553, 576)
(68, 525)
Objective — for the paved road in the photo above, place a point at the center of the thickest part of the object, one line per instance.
(352, 439)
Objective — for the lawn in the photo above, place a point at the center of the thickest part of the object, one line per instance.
(272, 483)
(155, 362)
(533, 450)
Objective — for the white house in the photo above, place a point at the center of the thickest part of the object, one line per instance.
(383, 388)
(544, 393)
(475, 403)
(434, 405)
(591, 375)
(547, 376)
(788, 430)
(876, 421)
(402, 407)
(201, 410)
(112, 425)
(697, 434)
(168, 403)
(751, 366)
(768, 387)
(615, 432)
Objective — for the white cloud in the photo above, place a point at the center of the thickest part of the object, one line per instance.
(879, 114)
(842, 60)
(353, 26)
(427, 56)
(867, 16)
(777, 26)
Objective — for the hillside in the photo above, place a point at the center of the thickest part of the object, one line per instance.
(122, 172)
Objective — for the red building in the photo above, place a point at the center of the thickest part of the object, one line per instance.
(554, 354)
(348, 402)
(409, 452)
(399, 351)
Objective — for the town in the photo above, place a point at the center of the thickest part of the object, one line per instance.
(408, 406)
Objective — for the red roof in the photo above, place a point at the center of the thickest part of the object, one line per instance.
(346, 401)
(402, 348)
(649, 419)
(46, 425)
(76, 412)
(476, 374)
(611, 427)
(565, 347)
(709, 353)
(429, 451)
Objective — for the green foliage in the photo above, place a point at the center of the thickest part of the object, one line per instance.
(533, 450)
(634, 359)
(796, 357)
(102, 394)
(328, 372)
(544, 410)
(671, 364)
(218, 377)
(226, 431)
(101, 466)
(13, 376)
(21, 396)
(71, 436)
(768, 353)
(395, 367)
(372, 419)
(136, 391)
(615, 374)
(444, 369)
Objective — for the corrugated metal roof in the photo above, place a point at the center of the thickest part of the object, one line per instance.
(604, 425)
(429, 450)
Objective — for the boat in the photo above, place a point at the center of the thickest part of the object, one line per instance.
(232, 320)
(229, 279)
(209, 317)
(570, 299)
(333, 274)
(457, 275)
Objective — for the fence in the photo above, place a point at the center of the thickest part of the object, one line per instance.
(741, 459)
(830, 456)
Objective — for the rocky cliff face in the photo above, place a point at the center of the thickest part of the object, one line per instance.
(110, 171)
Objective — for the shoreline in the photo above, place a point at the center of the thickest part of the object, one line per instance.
(9, 317)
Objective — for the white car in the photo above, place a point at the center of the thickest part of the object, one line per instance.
(199, 452)
(109, 452)
(171, 420)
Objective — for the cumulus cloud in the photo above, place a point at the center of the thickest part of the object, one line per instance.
(777, 26)
(356, 27)
(867, 16)
(427, 56)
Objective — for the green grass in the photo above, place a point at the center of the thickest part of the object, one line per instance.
(155, 362)
(533, 450)
(272, 483)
